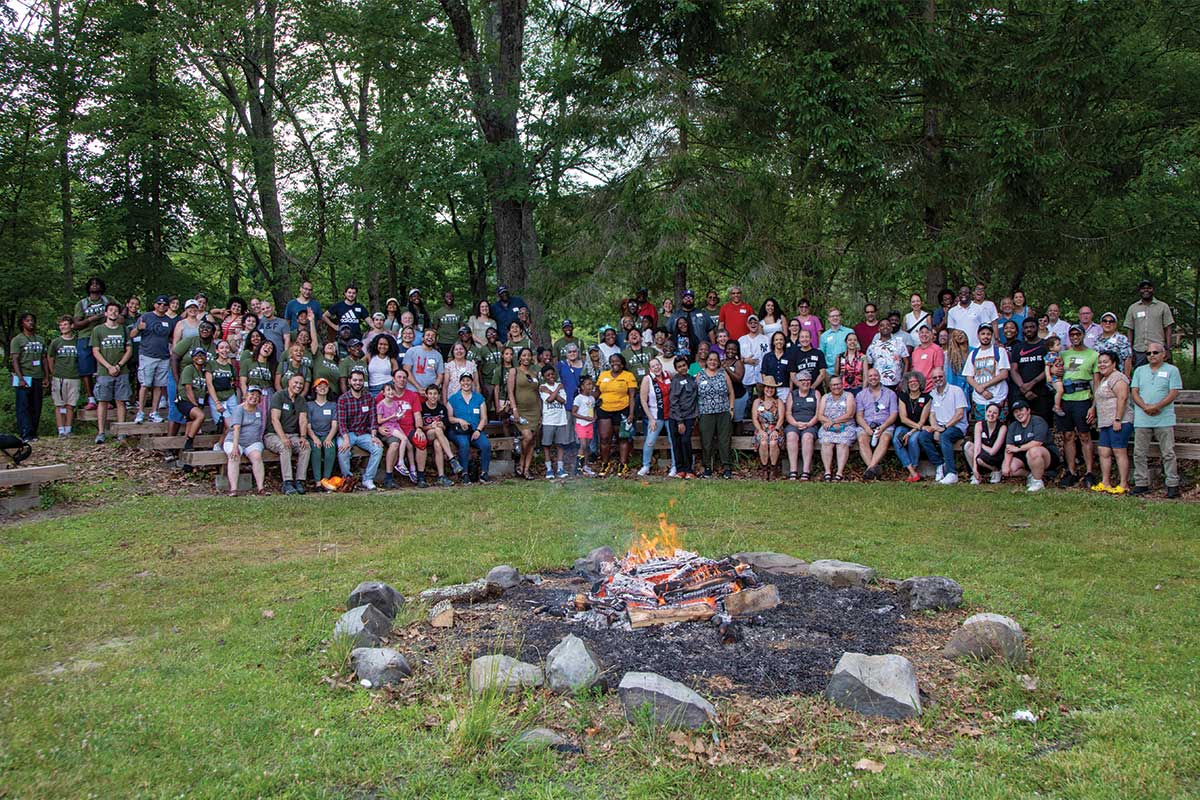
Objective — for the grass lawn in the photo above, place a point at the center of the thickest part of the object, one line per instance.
(173, 683)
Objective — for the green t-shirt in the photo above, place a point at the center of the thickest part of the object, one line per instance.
(563, 342)
(350, 365)
(520, 344)
(488, 359)
(223, 375)
(289, 409)
(289, 370)
(259, 373)
(329, 370)
(1080, 366)
(639, 362)
(90, 308)
(185, 345)
(447, 320)
(111, 342)
(32, 350)
(195, 377)
(64, 352)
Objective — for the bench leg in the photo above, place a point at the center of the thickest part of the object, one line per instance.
(23, 498)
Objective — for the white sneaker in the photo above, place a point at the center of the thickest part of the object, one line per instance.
(949, 480)
(369, 485)
(937, 476)
(996, 476)
(402, 469)
(156, 417)
(644, 471)
(139, 418)
(974, 481)
(674, 473)
(1035, 486)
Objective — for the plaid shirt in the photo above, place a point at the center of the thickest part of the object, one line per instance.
(355, 415)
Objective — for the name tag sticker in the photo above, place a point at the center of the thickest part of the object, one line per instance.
(1162, 374)
(287, 407)
(327, 412)
(809, 400)
(1018, 438)
(37, 362)
(365, 409)
(1141, 314)
(879, 406)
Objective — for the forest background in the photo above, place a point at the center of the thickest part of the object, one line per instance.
(576, 149)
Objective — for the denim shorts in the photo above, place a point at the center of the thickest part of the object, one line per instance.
(1116, 440)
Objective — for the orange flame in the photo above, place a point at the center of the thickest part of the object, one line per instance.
(664, 544)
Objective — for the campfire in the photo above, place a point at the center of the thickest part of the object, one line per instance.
(657, 582)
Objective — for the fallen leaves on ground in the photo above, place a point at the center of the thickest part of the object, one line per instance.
(868, 765)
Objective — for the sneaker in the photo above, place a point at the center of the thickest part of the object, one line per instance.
(974, 481)
(299, 487)
(549, 474)
(1089, 480)
(139, 418)
(1068, 480)
(727, 474)
(1138, 491)
(421, 483)
(1099, 487)
(444, 481)
(1118, 490)
(586, 470)
(949, 479)
(485, 478)
(369, 486)
(562, 474)
(706, 474)
(1172, 492)
(674, 473)
(644, 471)
(288, 488)
(455, 467)
(403, 470)
(1035, 486)
(389, 482)
(937, 476)
(466, 479)
(100, 438)
(156, 417)
(623, 470)
(995, 477)
(91, 405)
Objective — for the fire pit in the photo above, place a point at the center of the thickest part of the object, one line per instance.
(657, 582)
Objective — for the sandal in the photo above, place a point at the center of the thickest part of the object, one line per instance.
(804, 476)
(235, 493)
(828, 477)
(838, 478)
(791, 476)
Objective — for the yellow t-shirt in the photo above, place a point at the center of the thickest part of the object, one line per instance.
(614, 390)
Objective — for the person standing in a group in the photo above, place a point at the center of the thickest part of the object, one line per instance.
(112, 351)
(63, 366)
(808, 321)
(927, 356)
(1027, 373)
(734, 314)
(866, 330)
(702, 324)
(1155, 386)
(424, 363)
(833, 340)
(889, 355)
(986, 370)
(89, 312)
(154, 360)
(27, 354)
(305, 301)
(446, 321)
(505, 310)
(1079, 379)
(347, 313)
(1149, 322)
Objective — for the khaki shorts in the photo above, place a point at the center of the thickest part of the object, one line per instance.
(64, 391)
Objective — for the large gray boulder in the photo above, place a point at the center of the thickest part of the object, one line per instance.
(840, 574)
(504, 674)
(572, 666)
(461, 592)
(774, 563)
(880, 686)
(381, 666)
(503, 577)
(988, 636)
(930, 592)
(383, 597)
(673, 704)
(594, 560)
(365, 625)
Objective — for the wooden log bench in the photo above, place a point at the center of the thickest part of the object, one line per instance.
(26, 484)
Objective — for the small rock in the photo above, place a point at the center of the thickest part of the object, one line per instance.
(930, 592)
(752, 601)
(987, 636)
(1024, 715)
(442, 615)
(840, 574)
(544, 737)
(382, 666)
(380, 595)
(595, 560)
(881, 686)
(674, 704)
(365, 625)
(503, 577)
(461, 592)
(774, 563)
(572, 666)
(504, 674)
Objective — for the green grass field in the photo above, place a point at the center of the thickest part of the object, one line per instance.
(172, 683)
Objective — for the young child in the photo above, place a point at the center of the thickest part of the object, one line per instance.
(1053, 359)
(389, 411)
(584, 412)
(64, 375)
(554, 421)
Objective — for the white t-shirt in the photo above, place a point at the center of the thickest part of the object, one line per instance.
(585, 410)
(553, 411)
(753, 346)
(982, 365)
(606, 352)
(970, 318)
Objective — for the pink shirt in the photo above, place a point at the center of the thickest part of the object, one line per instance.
(813, 325)
(925, 359)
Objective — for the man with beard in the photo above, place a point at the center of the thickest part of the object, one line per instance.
(702, 322)
(1028, 373)
(349, 312)
(1149, 322)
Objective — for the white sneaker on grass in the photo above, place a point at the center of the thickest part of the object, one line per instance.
(369, 485)
(949, 480)
(937, 476)
(674, 473)
(644, 471)
(156, 417)
(1035, 486)
(974, 481)
(995, 477)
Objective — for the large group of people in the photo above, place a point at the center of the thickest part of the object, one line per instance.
(316, 384)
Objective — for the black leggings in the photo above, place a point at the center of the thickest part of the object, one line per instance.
(681, 443)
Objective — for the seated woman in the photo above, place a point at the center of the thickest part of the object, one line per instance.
(221, 377)
(193, 391)
(985, 450)
(389, 411)
(800, 414)
(767, 414)
(836, 413)
(322, 434)
(914, 416)
(1029, 448)
(246, 422)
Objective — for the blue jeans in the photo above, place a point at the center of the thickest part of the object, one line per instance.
(173, 414)
(362, 440)
(740, 405)
(653, 429)
(941, 454)
(482, 444)
(29, 408)
(908, 454)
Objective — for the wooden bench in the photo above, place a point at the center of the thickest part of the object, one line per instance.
(26, 484)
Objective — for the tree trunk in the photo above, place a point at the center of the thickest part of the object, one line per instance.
(63, 117)
(931, 151)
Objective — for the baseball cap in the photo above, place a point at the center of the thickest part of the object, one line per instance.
(378, 315)
(354, 343)
(390, 300)
(595, 348)
(464, 328)
(501, 289)
(254, 387)
(1019, 404)
(320, 381)
(411, 292)
(162, 298)
(988, 325)
(568, 324)
(688, 293)
(1076, 327)
(1146, 282)
(198, 351)
(643, 290)
(752, 317)
(1108, 314)
(192, 304)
